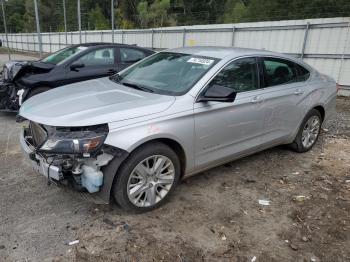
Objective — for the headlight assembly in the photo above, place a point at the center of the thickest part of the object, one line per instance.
(74, 141)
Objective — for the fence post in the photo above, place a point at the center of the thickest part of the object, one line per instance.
(184, 37)
(233, 36)
(65, 20)
(28, 41)
(79, 20)
(50, 40)
(152, 39)
(38, 29)
(305, 40)
(5, 26)
(112, 18)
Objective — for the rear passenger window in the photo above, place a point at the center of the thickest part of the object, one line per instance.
(279, 72)
(240, 75)
(303, 74)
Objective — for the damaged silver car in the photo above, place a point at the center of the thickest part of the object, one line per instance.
(134, 135)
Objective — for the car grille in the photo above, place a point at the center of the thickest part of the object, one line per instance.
(39, 134)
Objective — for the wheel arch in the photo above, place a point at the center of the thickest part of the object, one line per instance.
(170, 142)
(320, 109)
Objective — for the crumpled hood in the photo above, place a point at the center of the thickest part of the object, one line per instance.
(15, 69)
(92, 102)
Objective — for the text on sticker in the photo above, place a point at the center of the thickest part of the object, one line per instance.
(202, 61)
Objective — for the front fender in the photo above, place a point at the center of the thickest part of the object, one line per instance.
(179, 129)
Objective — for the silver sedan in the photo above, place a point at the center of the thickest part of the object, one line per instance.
(134, 135)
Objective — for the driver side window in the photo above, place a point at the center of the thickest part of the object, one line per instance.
(99, 57)
(240, 75)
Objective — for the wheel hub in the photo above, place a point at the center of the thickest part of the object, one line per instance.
(151, 180)
(310, 131)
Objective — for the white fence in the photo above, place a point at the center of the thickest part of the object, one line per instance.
(323, 43)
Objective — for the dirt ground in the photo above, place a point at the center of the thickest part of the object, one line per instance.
(214, 216)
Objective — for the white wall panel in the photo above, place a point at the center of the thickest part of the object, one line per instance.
(270, 35)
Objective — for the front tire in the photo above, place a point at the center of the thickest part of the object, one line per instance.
(308, 133)
(147, 178)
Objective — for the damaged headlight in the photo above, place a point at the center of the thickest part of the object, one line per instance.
(5, 73)
(84, 140)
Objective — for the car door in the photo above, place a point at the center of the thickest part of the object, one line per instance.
(97, 63)
(284, 98)
(225, 130)
(129, 56)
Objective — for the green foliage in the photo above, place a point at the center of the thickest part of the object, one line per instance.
(155, 14)
(97, 20)
(95, 14)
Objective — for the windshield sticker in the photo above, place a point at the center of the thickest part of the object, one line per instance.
(82, 48)
(202, 61)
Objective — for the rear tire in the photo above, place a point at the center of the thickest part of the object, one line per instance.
(308, 133)
(147, 178)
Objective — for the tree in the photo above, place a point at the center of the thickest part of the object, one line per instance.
(235, 11)
(155, 14)
(97, 20)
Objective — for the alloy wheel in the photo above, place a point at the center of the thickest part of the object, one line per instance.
(150, 181)
(311, 131)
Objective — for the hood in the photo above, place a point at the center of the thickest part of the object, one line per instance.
(92, 102)
(14, 69)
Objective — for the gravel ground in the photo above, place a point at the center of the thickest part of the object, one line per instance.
(212, 216)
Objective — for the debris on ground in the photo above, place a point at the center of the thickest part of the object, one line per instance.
(264, 202)
(300, 198)
(72, 243)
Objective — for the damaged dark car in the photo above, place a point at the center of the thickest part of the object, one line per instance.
(24, 79)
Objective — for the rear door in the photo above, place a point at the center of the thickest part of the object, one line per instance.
(129, 56)
(284, 95)
(97, 63)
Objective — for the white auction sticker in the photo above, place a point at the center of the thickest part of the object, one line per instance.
(202, 61)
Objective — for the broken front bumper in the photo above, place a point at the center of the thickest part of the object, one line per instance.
(10, 97)
(38, 162)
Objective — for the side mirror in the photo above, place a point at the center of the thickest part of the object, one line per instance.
(76, 66)
(218, 93)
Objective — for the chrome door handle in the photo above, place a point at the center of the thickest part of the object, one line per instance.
(255, 100)
(298, 92)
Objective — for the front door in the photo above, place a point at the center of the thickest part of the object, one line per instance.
(225, 130)
(97, 63)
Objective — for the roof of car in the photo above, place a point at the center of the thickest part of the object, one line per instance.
(221, 52)
(107, 44)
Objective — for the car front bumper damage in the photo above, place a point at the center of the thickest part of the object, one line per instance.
(94, 174)
(10, 96)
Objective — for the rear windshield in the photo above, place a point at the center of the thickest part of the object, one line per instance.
(167, 73)
(62, 55)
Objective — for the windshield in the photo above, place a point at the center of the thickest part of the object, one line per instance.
(60, 56)
(166, 73)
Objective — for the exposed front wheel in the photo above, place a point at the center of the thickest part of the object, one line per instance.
(308, 132)
(147, 178)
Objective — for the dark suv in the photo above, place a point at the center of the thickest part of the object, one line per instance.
(23, 79)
